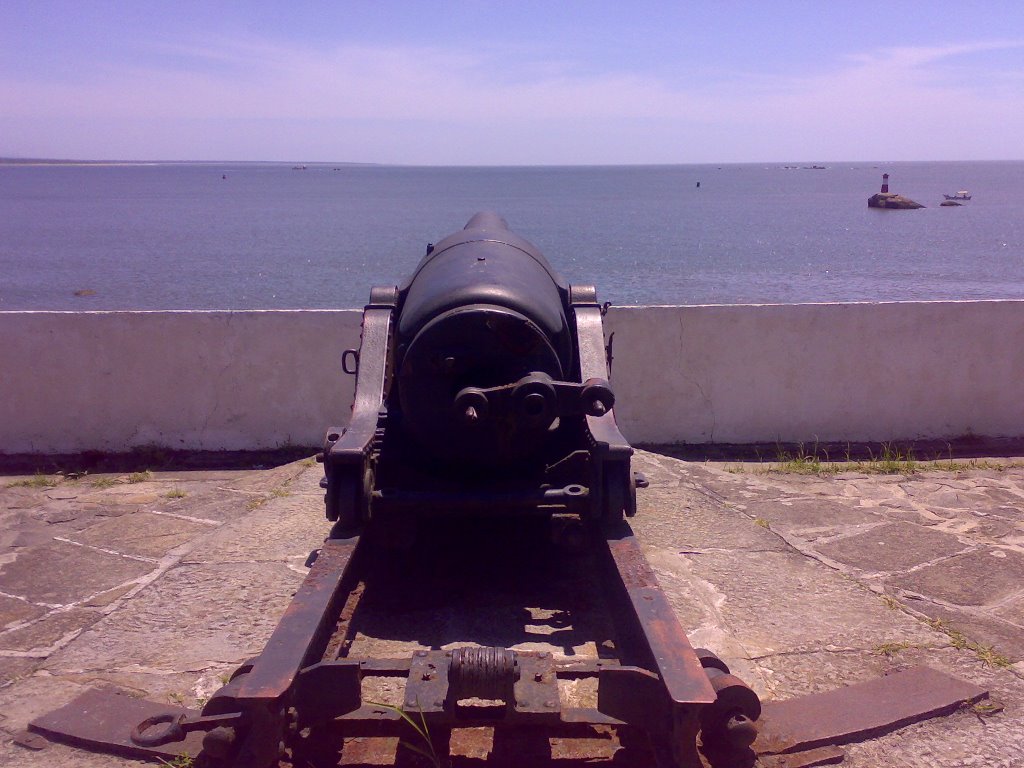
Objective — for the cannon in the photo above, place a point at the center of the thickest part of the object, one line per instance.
(481, 385)
(481, 392)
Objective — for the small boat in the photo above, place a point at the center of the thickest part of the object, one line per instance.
(963, 194)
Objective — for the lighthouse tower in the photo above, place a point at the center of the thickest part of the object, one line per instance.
(887, 199)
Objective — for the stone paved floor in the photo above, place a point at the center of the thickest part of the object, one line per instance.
(161, 584)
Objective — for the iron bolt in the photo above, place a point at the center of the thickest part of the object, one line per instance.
(551, 704)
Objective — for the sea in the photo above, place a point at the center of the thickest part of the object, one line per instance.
(153, 236)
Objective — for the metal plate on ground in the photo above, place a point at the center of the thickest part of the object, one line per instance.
(811, 758)
(103, 719)
(861, 711)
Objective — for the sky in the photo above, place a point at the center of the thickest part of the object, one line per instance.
(470, 82)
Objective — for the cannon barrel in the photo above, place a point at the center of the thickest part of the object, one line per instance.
(482, 385)
(483, 309)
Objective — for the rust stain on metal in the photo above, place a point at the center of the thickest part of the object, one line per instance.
(666, 644)
(304, 625)
(631, 564)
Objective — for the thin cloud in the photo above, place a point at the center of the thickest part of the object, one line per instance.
(916, 56)
(894, 99)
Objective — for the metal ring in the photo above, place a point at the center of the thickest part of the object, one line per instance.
(173, 731)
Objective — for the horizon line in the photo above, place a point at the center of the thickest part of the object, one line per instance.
(15, 160)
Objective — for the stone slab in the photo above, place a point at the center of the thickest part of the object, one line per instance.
(956, 745)
(986, 630)
(48, 631)
(784, 620)
(62, 573)
(61, 517)
(976, 578)
(14, 611)
(764, 598)
(298, 523)
(1012, 612)
(690, 524)
(142, 533)
(812, 514)
(892, 547)
(12, 669)
(193, 618)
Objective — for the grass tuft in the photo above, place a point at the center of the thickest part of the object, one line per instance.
(421, 730)
(38, 480)
(986, 708)
(801, 462)
(985, 653)
(991, 657)
(139, 477)
(890, 460)
(175, 493)
(891, 649)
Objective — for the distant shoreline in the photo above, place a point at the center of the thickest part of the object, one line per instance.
(36, 161)
(786, 164)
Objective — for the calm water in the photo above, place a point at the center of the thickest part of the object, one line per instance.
(267, 236)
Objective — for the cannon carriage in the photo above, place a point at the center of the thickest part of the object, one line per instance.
(481, 393)
(481, 390)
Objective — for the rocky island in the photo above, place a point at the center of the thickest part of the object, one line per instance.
(887, 199)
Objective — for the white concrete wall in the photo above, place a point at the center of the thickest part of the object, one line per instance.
(791, 373)
(74, 381)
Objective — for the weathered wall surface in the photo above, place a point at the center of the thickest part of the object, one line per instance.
(819, 371)
(74, 381)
